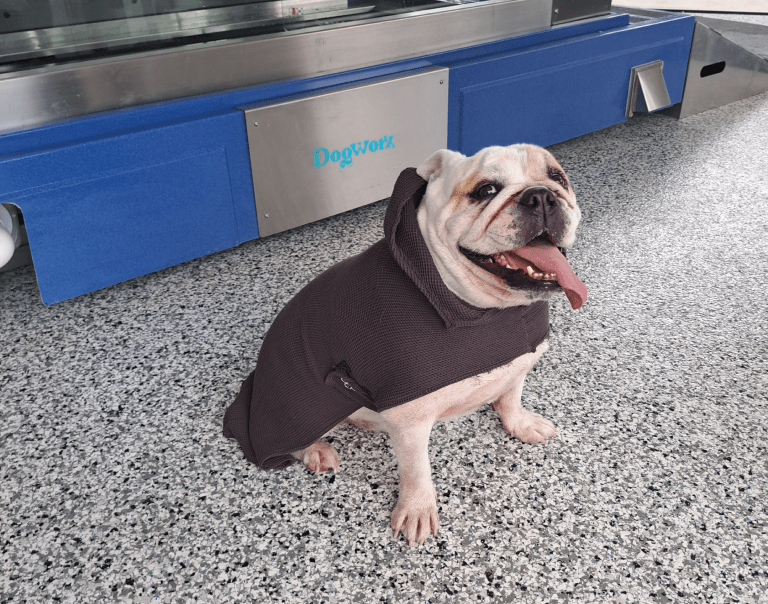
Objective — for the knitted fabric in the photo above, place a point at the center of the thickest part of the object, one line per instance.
(376, 330)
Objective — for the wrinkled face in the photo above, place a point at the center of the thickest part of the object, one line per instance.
(497, 225)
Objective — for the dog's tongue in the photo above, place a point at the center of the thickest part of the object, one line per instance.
(548, 259)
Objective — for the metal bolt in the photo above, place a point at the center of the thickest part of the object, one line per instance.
(441, 81)
(255, 123)
(266, 215)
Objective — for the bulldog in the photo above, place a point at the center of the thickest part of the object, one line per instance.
(447, 313)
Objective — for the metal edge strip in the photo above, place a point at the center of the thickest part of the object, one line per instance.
(50, 94)
(55, 41)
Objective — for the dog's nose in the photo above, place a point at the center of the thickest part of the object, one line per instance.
(537, 197)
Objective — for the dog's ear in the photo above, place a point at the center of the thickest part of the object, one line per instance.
(439, 162)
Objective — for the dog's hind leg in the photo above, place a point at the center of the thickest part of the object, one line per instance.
(319, 457)
(367, 419)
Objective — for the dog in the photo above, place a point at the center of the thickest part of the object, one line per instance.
(447, 313)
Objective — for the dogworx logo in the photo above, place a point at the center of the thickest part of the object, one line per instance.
(344, 158)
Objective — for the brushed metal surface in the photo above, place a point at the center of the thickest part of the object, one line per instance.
(750, 36)
(647, 89)
(67, 39)
(46, 94)
(745, 74)
(53, 41)
(21, 15)
(717, 6)
(566, 11)
(321, 155)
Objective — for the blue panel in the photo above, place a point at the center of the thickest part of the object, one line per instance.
(551, 93)
(111, 196)
(105, 211)
(160, 114)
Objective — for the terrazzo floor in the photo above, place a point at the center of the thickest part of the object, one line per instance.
(117, 484)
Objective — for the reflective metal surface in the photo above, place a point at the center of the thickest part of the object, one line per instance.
(325, 154)
(66, 40)
(565, 11)
(716, 6)
(710, 84)
(21, 15)
(750, 36)
(647, 89)
(40, 95)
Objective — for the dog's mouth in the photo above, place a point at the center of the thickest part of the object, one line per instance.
(539, 266)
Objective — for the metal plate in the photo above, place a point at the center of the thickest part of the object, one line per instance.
(68, 39)
(565, 11)
(717, 6)
(57, 92)
(321, 155)
(719, 71)
(750, 36)
(647, 89)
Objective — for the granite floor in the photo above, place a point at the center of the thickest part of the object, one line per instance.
(117, 484)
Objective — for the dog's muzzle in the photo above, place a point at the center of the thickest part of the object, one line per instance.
(538, 210)
(537, 197)
(539, 265)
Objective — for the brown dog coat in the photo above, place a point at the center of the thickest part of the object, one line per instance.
(376, 330)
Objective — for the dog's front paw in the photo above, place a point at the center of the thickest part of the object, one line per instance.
(319, 457)
(415, 516)
(529, 427)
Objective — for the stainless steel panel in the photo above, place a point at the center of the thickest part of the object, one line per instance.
(52, 93)
(750, 36)
(565, 11)
(58, 41)
(325, 154)
(20, 15)
(53, 41)
(744, 74)
(716, 6)
(647, 89)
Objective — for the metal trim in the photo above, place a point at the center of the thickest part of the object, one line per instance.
(566, 11)
(68, 39)
(47, 94)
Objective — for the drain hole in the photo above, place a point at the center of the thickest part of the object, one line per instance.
(709, 70)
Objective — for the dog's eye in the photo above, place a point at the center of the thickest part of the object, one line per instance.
(559, 178)
(485, 192)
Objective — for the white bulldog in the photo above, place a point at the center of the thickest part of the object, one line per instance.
(495, 225)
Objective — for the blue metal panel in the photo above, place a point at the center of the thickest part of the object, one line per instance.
(108, 210)
(553, 92)
(157, 114)
(115, 195)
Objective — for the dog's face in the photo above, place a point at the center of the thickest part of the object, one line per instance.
(497, 225)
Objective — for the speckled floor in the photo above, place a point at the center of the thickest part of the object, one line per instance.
(118, 485)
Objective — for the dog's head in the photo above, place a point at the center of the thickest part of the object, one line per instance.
(497, 225)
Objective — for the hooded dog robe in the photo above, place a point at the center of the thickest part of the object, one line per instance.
(376, 330)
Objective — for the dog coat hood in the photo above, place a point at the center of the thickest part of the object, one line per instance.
(376, 330)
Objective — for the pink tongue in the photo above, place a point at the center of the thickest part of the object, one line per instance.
(547, 258)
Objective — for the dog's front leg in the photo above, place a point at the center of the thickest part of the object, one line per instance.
(415, 514)
(523, 424)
